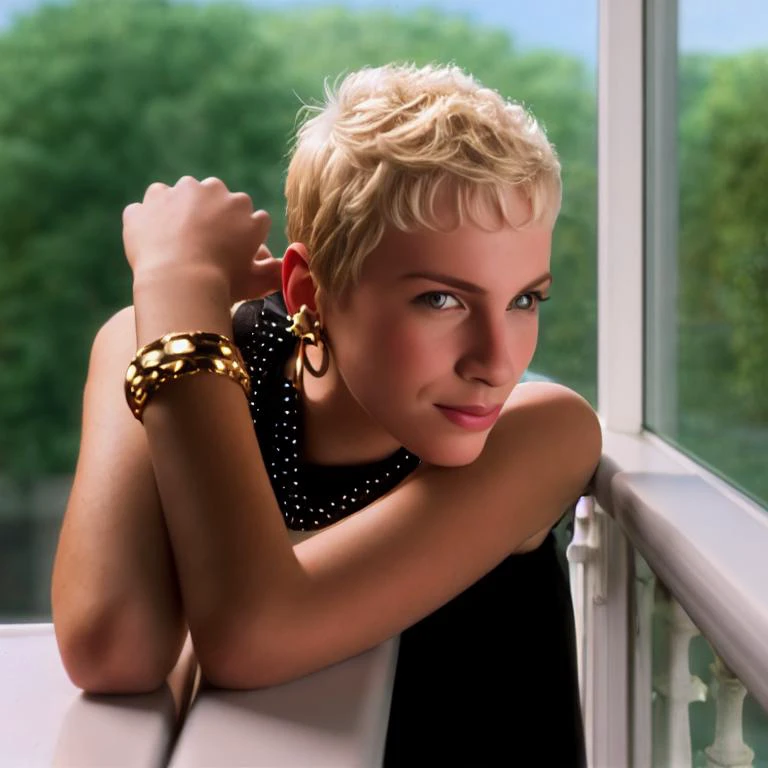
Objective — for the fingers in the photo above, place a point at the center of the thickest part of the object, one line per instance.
(244, 200)
(186, 181)
(260, 218)
(154, 189)
(263, 255)
(262, 222)
(129, 210)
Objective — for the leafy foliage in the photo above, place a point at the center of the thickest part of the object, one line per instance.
(98, 99)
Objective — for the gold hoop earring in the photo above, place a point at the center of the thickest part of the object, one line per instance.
(309, 332)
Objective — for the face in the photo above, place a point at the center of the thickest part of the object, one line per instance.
(437, 321)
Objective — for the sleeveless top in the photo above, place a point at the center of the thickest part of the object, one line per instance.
(488, 679)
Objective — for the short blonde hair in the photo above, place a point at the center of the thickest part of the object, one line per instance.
(386, 144)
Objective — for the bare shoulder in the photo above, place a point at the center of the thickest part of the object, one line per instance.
(566, 419)
(540, 455)
(114, 346)
(555, 409)
(552, 417)
(537, 461)
(106, 417)
(118, 330)
(546, 394)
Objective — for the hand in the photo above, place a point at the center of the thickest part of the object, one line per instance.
(201, 228)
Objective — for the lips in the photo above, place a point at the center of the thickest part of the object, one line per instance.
(473, 410)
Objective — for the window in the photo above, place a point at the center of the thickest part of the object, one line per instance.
(707, 235)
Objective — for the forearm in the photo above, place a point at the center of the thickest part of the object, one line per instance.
(232, 550)
(115, 607)
(114, 592)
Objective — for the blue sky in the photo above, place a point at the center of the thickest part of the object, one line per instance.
(716, 26)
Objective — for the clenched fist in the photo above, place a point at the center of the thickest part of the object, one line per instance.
(201, 228)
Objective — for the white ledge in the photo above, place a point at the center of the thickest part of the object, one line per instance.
(705, 541)
(46, 720)
(335, 717)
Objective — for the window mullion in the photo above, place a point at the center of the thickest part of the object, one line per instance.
(620, 215)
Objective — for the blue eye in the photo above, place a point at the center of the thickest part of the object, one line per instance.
(425, 299)
(528, 302)
(525, 302)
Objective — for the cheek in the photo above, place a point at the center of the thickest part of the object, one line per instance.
(403, 353)
(379, 364)
(525, 339)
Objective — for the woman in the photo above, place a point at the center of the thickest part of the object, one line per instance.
(385, 473)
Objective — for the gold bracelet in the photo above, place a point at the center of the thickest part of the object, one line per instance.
(181, 354)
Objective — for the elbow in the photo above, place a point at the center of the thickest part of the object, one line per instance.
(224, 665)
(244, 659)
(100, 659)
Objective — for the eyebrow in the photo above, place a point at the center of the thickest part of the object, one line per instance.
(463, 285)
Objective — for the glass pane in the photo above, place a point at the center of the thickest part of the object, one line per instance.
(707, 235)
(100, 99)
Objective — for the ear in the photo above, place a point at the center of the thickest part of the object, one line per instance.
(298, 285)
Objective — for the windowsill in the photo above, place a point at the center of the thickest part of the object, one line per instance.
(706, 542)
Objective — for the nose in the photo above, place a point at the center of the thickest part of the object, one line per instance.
(494, 355)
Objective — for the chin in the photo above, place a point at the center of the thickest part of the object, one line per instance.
(451, 453)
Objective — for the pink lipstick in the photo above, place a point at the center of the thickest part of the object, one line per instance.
(476, 419)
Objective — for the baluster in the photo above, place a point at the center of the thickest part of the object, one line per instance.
(645, 602)
(582, 550)
(728, 750)
(678, 686)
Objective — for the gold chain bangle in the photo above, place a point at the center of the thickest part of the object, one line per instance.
(181, 354)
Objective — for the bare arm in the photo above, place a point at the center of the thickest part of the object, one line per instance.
(262, 612)
(259, 610)
(391, 564)
(116, 606)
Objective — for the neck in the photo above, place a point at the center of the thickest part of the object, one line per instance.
(337, 431)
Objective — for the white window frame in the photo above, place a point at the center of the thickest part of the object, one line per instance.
(659, 501)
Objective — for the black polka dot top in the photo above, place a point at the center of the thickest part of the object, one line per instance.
(310, 496)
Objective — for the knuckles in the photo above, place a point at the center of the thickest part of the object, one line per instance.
(212, 182)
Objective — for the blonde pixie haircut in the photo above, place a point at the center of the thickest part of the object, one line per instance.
(387, 147)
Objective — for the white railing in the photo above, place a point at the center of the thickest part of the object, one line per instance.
(661, 545)
(678, 548)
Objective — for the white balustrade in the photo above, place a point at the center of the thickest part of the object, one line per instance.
(599, 572)
(642, 702)
(660, 704)
(728, 750)
(676, 687)
(587, 586)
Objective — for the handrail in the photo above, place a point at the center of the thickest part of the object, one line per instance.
(707, 543)
(336, 717)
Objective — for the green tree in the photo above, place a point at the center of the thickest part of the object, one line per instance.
(724, 231)
(738, 127)
(98, 99)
